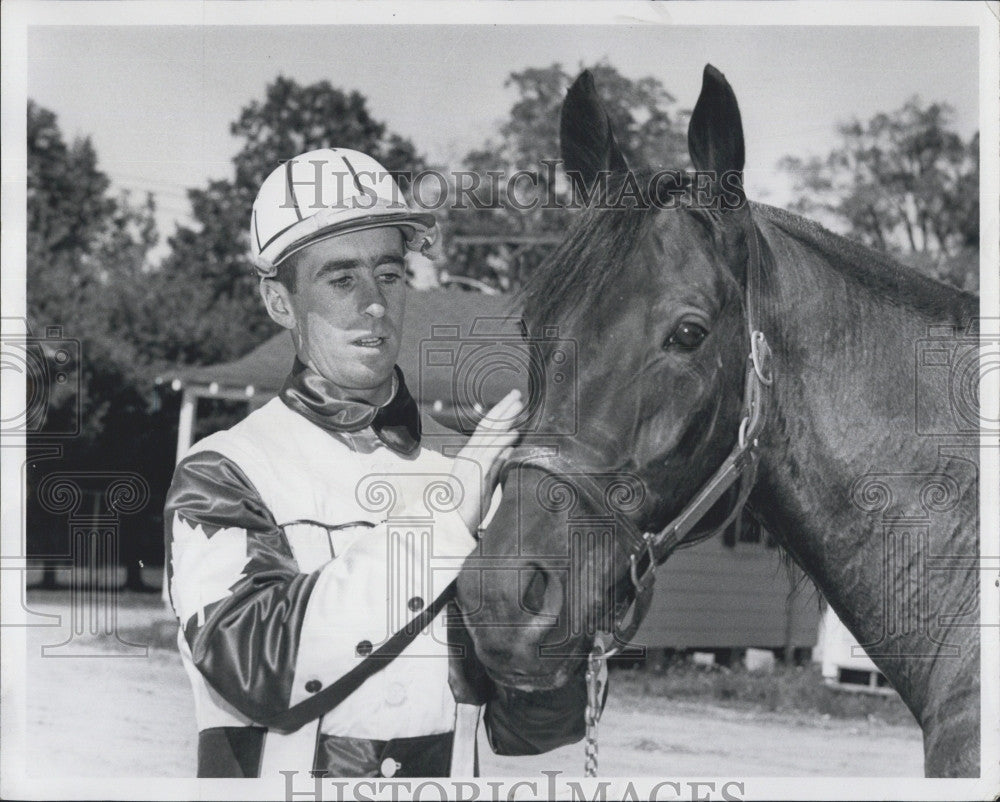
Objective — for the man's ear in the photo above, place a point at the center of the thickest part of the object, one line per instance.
(277, 300)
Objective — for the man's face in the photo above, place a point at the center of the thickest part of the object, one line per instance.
(347, 309)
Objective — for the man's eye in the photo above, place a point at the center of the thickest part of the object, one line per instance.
(342, 282)
(687, 335)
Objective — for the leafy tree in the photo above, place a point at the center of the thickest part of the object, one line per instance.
(86, 268)
(205, 287)
(86, 253)
(649, 129)
(904, 182)
(88, 272)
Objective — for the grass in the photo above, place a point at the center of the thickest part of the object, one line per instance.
(798, 689)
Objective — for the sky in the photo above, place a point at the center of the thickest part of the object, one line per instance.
(157, 101)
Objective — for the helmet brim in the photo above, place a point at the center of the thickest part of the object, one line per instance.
(421, 226)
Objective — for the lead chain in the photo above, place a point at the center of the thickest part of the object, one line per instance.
(595, 662)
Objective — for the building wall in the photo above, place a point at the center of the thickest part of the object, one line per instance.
(718, 596)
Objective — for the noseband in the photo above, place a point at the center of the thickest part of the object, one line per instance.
(739, 468)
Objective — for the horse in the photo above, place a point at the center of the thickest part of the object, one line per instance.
(727, 353)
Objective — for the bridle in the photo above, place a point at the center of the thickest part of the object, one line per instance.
(739, 468)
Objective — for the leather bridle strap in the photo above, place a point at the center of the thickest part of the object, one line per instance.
(740, 466)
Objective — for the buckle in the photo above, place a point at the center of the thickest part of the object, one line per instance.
(760, 355)
(638, 582)
(744, 428)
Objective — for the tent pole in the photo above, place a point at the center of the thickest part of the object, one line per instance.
(185, 436)
(185, 425)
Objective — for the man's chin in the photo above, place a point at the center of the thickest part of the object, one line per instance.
(363, 377)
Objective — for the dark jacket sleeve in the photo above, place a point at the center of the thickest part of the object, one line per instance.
(254, 621)
(234, 584)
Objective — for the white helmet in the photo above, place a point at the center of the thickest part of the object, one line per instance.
(324, 193)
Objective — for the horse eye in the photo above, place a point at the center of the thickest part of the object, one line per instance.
(686, 335)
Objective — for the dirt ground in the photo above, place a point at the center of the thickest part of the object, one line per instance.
(113, 715)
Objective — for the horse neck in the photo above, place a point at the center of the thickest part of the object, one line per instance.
(841, 430)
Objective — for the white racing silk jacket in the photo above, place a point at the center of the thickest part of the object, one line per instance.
(299, 541)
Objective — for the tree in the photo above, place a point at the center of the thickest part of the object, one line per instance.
(86, 267)
(206, 282)
(649, 130)
(903, 182)
(86, 253)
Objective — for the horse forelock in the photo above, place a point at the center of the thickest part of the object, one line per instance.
(600, 248)
(596, 251)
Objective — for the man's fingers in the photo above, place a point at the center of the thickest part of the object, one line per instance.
(493, 469)
(501, 417)
(488, 448)
(494, 430)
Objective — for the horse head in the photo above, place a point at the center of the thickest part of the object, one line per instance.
(641, 312)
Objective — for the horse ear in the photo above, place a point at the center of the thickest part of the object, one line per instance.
(715, 134)
(588, 143)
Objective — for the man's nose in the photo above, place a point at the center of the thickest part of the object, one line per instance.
(373, 301)
(375, 309)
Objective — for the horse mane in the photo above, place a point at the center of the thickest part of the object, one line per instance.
(602, 241)
(580, 269)
(884, 278)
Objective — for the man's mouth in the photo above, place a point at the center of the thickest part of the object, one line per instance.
(369, 342)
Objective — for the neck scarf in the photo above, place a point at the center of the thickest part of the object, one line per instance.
(396, 423)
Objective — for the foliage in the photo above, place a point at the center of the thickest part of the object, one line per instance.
(88, 273)
(207, 281)
(903, 182)
(87, 270)
(86, 260)
(649, 129)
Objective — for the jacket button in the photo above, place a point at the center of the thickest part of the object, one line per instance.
(313, 685)
(415, 604)
(389, 767)
(364, 648)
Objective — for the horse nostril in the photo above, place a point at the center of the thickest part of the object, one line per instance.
(533, 593)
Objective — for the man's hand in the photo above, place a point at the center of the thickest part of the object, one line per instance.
(483, 456)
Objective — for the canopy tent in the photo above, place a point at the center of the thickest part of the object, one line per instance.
(461, 352)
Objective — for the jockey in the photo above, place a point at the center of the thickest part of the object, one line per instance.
(312, 547)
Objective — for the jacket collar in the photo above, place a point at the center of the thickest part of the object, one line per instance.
(396, 423)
